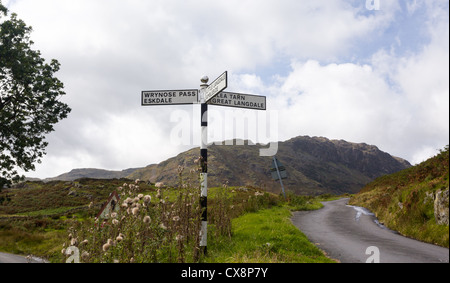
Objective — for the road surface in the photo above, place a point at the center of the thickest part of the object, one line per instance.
(353, 235)
(10, 258)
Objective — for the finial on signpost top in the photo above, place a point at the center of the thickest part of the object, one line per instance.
(203, 86)
(204, 79)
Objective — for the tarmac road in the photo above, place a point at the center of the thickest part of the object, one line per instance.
(10, 258)
(352, 235)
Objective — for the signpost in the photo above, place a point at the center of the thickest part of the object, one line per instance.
(216, 87)
(169, 97)
(278, 172)
(207, 95)
(110, 206)
(239, 100)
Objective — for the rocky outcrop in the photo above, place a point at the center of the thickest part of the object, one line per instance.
(441, 207)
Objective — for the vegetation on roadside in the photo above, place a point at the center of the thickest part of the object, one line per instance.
(404, 201)
(266, 236)
(154, 224)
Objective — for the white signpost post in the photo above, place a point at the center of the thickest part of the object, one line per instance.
(207, 95)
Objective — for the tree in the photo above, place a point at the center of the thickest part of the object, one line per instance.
(29, 99)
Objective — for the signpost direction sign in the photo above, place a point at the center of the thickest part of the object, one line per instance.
(212, 94)
(169, 97)
(239, 100)
(216, 87)
(278, 172)
(277, 166)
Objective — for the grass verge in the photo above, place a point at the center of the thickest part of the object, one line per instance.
(266, 236)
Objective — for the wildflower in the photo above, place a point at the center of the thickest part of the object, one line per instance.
(63, 251)
(162, 226)
(147, 199)
(114, 215)
(159, 185)
(91, 204)
(140, 196)
(147, 219)
(119, 239)
(115, 222)
(85, 242)
(137, 181)
(74, 242)
(135, 211)
(132, 260)
(176, 218)
(179, 237)
(85, 255)
(106, 247)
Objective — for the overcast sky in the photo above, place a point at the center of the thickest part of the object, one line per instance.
(363, 71)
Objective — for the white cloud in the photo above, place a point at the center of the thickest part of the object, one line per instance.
(329, 68)
(344, 101)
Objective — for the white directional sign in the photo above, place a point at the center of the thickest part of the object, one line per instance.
(169, 97)
(213, 95)
(216, 87)
(239, 100)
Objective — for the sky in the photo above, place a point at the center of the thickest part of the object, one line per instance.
(374, 72)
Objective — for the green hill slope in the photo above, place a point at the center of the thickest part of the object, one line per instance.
(414, 201)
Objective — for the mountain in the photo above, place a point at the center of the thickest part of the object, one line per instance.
(315, 165)
(92, 173)
(413, 201)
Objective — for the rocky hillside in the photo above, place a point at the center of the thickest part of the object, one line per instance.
(314, 165)
(414, 201)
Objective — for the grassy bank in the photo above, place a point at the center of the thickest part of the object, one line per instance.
(404, 201)
(266, 236)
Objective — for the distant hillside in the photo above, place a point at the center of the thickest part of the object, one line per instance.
(414, 201)
(314, 165)
(92, 173)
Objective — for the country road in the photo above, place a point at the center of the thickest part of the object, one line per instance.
(346, 233)
(10, 258)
